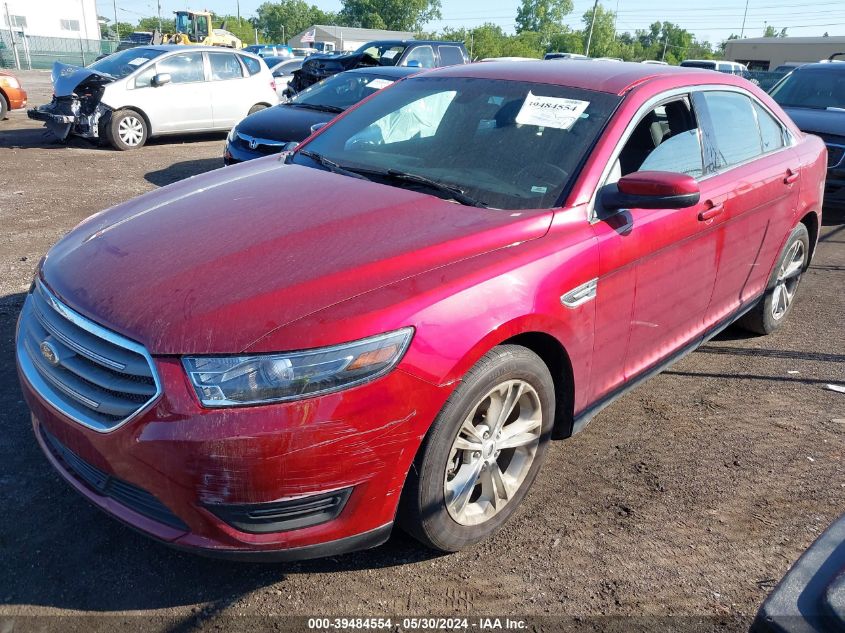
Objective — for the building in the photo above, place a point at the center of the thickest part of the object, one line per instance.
(767, 53)
(51, 18)
(343, 38)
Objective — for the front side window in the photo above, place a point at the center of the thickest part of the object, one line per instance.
(144, 79)
(422, 56)
(506, 144)
(665, 139)
(382, 54)
(734, 127)
(183, 68)
(224, 66)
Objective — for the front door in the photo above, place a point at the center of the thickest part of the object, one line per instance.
(228, 84)
(183, 104)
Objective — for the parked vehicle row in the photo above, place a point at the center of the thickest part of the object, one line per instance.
(285, 358)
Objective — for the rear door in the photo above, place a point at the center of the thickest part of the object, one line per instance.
(230, 89)
(183, 104)
(755, 185)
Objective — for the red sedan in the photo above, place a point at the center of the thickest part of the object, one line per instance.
(388, 324)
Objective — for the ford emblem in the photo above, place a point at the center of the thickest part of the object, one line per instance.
(49, 352)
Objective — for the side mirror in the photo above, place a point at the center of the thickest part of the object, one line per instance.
(651, 190)
(160, 80)
(318, 126)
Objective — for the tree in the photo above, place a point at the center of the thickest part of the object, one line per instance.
(542, 16)
(773, 32)
(396, 15)
(111, 31)
(603, 40)
(151, 24)
(242, 29)
(279, 21)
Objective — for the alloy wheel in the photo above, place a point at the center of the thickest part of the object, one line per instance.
(787, 280)
(493, 452)
(131, 130)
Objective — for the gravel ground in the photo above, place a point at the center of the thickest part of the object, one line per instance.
(684, 501)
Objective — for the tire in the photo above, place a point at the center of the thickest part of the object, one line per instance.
(4, 106)
(127, 130)
(258, 107)
(442, 506)
(771, 311)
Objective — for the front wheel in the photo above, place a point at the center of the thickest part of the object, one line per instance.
(127, 130)
(772, 310)
(482, 453)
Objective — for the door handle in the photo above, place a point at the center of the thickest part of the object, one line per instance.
(791, 176)
(711, 212)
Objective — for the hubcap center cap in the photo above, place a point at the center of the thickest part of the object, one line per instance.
(488, 449)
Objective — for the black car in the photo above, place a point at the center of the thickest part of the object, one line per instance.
(814, 96)
(410, 53)
(268, 131)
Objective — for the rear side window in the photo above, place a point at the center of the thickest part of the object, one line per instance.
(734, 126)
(253, 66)
(451, 55)
(771, 132)
(224, 66)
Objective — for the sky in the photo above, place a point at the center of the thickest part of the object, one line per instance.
(712, 21)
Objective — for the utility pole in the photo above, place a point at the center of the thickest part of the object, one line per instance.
(615, 17)
(744, 15)
(116, 29)
(665, 43)
(12, 35)
(160, 30)
(592, 23)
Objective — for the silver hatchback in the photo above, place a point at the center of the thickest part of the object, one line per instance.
(148, 91)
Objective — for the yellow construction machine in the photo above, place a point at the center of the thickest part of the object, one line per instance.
(194, 27)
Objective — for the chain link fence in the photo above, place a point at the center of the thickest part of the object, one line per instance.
(28, 52)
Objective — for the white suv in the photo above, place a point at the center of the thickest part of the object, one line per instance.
(138, 93)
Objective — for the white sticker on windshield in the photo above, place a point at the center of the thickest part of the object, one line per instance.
(378, 84)
(554, 112)
(138, 61)
(390, 54)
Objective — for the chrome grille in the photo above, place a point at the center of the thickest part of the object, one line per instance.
(263, 145)
(90, 374)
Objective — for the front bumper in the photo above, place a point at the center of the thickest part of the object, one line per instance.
(244, 148)
(17, 98)
(195, 462)
(64, 116)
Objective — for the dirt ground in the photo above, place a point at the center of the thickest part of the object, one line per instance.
(683, 502)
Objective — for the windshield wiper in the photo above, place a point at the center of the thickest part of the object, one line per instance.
(330, 164)
(453, 191)
(317, 106)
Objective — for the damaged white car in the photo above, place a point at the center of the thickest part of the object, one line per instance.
(130, 96)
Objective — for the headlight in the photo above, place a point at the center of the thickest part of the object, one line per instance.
(260, 378)
(9, 82)
(232, 132)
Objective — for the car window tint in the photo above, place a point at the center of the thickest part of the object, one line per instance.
(182, 67)
(451, 55)
(144, 79)
(665, 139)
(422, 55)
(253, 66)
(771, 132)
(224, 66)
(734, 127)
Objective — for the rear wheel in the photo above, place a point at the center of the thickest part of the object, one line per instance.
(772, 310)
(482, 453)
(127, 130)
(258, 107)
(4, 107)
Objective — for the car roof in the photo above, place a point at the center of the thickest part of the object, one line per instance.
(830, 66)
(194, 47)
(386, 71)
(601, 76)
(409, 42)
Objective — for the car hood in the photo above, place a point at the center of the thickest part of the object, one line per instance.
(215, 262)
(67, 78)
(814, 121)
(283, 123)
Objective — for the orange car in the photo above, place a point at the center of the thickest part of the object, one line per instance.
(12, 94)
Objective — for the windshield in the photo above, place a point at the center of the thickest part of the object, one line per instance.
(507, 144)
(120, 65)
(818, 89)
(384, 54)
(342, 90)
